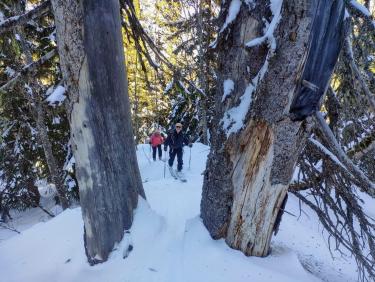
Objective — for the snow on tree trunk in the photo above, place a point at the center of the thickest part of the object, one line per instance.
(255, 144)
(92, 60)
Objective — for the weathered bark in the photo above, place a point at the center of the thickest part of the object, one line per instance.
(248, 173)
(92, 60)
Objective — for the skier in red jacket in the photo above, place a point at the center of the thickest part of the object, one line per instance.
(156, 140)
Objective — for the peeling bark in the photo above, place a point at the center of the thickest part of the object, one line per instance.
(248, 173)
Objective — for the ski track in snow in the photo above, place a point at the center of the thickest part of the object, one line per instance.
(170, 241)
(175, 208)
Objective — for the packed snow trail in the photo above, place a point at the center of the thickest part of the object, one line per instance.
(170, 242)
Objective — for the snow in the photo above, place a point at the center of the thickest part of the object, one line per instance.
(234, 118)
(57, 96)
(56, 120)
(276, 12)
(6, 131)
(69, 164)
(169, 240)
(228, 87)
(10, 72)
(168, 87)
(234, 9)
(250, 3)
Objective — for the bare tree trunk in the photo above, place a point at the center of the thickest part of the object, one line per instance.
(92, 61)
(55, 172)
(249, 170)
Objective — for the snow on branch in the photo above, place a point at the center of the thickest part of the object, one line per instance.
(234, 9)
(367, 185)
(29, 68)
(12, 22)
(270, 28)
(360, 8)
(228, 86)
(363, 11)
(327, 152)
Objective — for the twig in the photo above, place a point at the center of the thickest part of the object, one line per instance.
(9, 228)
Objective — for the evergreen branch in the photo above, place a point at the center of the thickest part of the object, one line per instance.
(142, 35)
(12, 22)
(29, 68)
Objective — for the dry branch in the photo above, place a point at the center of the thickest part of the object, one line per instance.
(367, 185)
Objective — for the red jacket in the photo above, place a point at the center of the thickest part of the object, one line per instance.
(156, 139)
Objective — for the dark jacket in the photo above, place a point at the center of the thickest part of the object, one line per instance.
(176, 140)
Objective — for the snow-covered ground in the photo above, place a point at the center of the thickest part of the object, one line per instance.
(170, 242)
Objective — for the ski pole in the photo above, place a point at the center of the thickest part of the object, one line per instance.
(146, 155)
(165, 161)
(189, 158)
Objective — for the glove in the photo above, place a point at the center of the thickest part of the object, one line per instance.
(165, 148)
(190, 145)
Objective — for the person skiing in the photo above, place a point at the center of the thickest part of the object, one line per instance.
(176, 140)
(156, 140)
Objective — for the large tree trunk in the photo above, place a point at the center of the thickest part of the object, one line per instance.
(250, 166)
(92, 61)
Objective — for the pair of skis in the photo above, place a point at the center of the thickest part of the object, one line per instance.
(176, 175)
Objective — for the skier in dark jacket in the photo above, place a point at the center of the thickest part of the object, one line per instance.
(176, 140)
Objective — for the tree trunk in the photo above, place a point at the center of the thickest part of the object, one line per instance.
(92, 61)
(203, 83)
(55, 172)
(39, 113)
(249, 169)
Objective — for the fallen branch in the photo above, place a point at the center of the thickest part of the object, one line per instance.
(367, 185)
(9, 228)
(47, 212)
